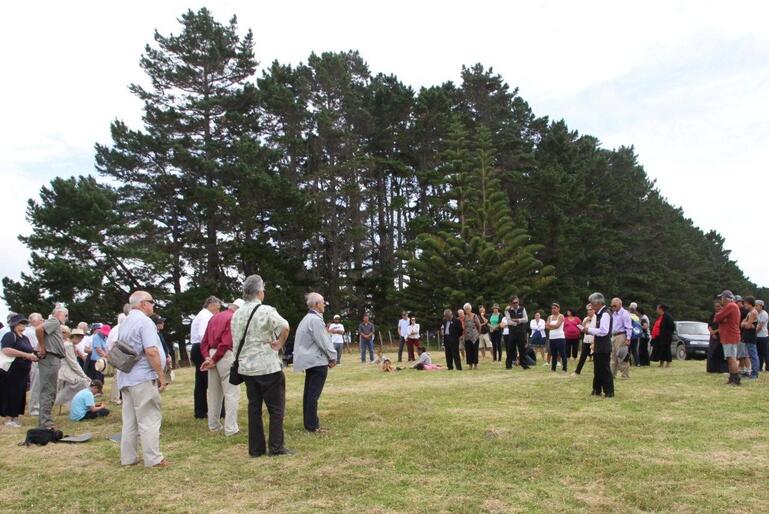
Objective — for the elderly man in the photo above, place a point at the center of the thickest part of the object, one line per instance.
(258, 333)
(141, 386)
(216, 347)
(35, 320)
(603, 378)
(622, 332)
(50, 353)
(211, 306)
(517, 321)
(314, 354)
(451, 328)
(728, 319)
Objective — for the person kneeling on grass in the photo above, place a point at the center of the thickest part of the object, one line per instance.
(425, 362)
(84, 405)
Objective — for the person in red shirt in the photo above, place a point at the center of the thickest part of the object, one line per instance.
(216, 348)
(728, 319)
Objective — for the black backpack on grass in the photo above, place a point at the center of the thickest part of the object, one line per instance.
(42, 436)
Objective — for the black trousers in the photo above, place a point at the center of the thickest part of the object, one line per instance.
(633, 350)
(583, 357)
(452, 354)
(515, 345)
(314, 380)
(762, 345)
(558, 349)
(270, 389)
(98, 414)
(572, 348)
(603, 379)
(471, 352)
(643, 352)
(201, 383)
(401, 344)
(496, 345)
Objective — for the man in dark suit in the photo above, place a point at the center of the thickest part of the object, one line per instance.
(603, 378)
(451, 328)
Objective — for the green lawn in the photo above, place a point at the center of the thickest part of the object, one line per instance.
(477, 441)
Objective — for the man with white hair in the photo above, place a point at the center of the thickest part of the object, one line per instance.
(211, 306)
(622, 332)
(314, 354)
(216, 348)
(50, 353)
(35, 320)
(258, 334)
(603, 378)
(141, 386)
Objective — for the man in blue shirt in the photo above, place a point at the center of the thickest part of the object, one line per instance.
(98, 351)
(84, 404)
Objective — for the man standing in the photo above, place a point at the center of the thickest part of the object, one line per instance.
(50, 353)
(603, 378)
(141, 386)
(515, 344)
(622, 332)
(160, 325)
(403, 333)
(35, 320)
(749, 332)
(216, 347)
(451, 328)
(366, 339)
(762, 336)
(314, 354)
(728, 319)
(211, 306)
(336, 329)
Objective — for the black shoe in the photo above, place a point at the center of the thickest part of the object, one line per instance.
(609, 395)
(595, 393)
(283, 451)
(256, 455)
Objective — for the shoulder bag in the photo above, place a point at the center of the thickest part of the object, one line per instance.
(123, 356)
(235, 377)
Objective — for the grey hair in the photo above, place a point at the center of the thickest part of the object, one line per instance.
(467, 306)
(213, 300)
(618, 299)
(448, 312)
(60, 308)
(137, 297)
(597, 298)
(35, 316)
(313, 299)
(633, 306)
(127, 309)
(252, 286)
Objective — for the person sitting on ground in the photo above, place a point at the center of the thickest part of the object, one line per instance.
(387, 366)
(84, 404)
(425, 361)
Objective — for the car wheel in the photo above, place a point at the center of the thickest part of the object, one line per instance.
(681, 352)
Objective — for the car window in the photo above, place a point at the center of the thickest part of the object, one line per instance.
(694, 328)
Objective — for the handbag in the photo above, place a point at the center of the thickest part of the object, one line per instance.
(235, 377)
(122, 356)
(6, 361)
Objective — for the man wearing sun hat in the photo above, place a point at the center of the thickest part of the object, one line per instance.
(216, 348)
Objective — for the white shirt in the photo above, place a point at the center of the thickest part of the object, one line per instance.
(112, 337)
(413, 332)
(763, 317)
(538, 325)
(590, 338)
(30, 333)
(505, 326)
(199, 325)
(86, 345)
(556, 333)
(403, 328)
(336, 338)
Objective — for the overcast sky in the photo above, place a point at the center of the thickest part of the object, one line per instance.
(686, 83)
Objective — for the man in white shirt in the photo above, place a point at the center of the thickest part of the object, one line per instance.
(762, 336)
(35, 320)
(211, 306)
(403, 333)
(336, 329)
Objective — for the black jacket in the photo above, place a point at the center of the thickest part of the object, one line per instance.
(455, 330)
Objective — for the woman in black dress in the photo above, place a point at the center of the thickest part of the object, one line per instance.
(662, 337)
(13, 383)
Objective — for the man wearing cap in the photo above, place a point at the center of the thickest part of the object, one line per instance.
(98, 352)
(336, 329)
(762, 336)
(216, 347)
(728, 319)
(211, 306)
(622, 332)
(50, 352)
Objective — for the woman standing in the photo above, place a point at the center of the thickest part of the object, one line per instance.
(587, 340)
(13, 383)
(495, 330)
(557, 337)
(412, 339)
(715, 362)
(472, 332)
(538, 334)
(484, 340)
(662, 337)
(572, 329)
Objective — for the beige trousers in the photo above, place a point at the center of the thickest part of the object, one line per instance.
(220, 389)
(114, 392)
(141, 420)
(617, 342)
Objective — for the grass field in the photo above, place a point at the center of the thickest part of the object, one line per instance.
(477, 441)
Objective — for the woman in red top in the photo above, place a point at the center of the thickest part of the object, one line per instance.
(572, 330)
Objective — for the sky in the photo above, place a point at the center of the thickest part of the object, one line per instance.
(685, 83)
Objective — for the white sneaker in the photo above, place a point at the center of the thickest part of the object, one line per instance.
(13, 424)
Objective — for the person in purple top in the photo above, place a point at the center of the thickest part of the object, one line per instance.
(622, 332)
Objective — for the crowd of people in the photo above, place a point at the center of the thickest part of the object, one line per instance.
(243, 340)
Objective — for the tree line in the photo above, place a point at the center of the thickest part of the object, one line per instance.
(324, 175)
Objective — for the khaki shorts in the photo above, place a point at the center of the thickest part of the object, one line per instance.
(484, 341)
(730, 350)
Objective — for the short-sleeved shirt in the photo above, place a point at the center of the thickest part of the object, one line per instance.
(54, 341)
(98, 342)
(22, 344)
(763, 317)
(257, 357)
(336, 338)
(366, 329)
(81, 403)
(140, 332)
(31, 335)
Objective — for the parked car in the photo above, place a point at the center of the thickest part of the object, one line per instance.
(690, 340)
